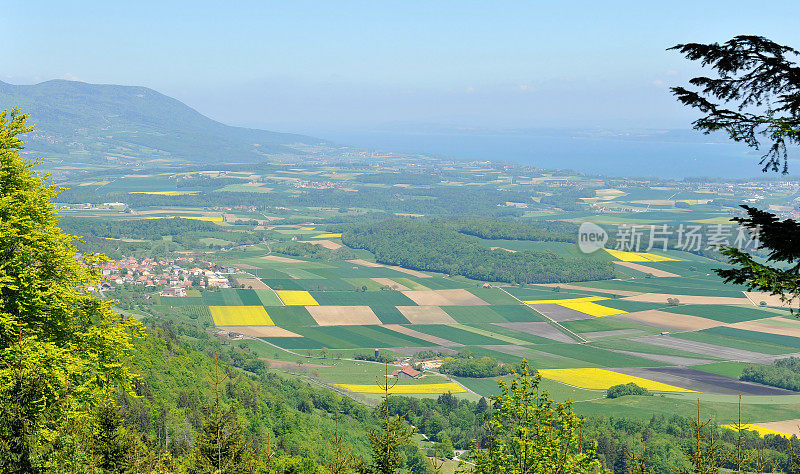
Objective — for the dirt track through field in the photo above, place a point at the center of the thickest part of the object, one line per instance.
(669, 321)
(458, 297)
(545, 330)
(426, 315)
(421, 335)
(689, 299)
(645, 269)
(343, 315)
(260, 331)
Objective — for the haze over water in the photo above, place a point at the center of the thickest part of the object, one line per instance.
(607, 156)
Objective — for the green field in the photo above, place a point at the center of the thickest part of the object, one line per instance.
(474, 314)
(290, 316)
(455, 334)
(729, 337)
(728, 369)
(722, 313)
(389, 314)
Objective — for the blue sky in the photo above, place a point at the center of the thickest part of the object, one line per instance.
(311, 66)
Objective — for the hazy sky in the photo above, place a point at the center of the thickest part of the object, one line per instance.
(310, 66)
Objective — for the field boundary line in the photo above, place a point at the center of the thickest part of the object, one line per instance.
(751, 299)
(581, 339)
(270, 288)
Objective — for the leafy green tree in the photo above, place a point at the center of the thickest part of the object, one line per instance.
(626, 389)
(530, 433)
(60, 345)
(755, 98)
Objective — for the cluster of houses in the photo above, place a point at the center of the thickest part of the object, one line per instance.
(173, 275)
(305, 183)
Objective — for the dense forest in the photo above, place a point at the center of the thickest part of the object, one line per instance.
(783, 373)
(311, 251)
(541, 231)
(150, 229)
(475, 367)
(432, 246)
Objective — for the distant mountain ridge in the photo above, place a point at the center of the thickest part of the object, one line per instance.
(81, 122)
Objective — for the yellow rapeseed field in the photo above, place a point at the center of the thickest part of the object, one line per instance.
(592, 309)
(296, 298)
(419, 388)
(327, 236)
(638, 256)
(758, 429)
(584, 305)
(166, 193)
(240, 316)
(603, 379)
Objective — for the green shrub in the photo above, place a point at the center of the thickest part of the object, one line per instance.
(626, 389)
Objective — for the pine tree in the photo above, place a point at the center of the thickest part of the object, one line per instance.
(755, 99)
(221, 445)
(342, 459)
(110, 444)
(394, 434)
(482, 406)
(703, 453)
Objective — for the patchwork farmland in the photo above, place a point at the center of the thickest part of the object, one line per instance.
(313, 304)
(671, 327)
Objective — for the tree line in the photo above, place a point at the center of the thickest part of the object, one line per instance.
(783, 373)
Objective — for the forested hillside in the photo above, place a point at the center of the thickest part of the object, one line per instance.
(79, 120)
(434, 246)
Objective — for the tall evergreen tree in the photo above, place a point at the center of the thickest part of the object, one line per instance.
(755, 98)
(221, 445)
(390, 438)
